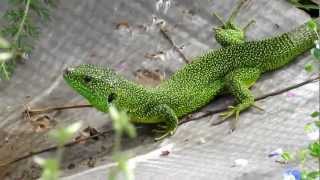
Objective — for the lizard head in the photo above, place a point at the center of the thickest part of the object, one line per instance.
(97, 84)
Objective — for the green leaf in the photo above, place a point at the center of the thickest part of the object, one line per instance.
(287, 156)
(308, 67)
(50, 168)
(131, 130)
(4, 43)
(308, 128)
(316, 53)
(63, 135)
(23, 28)
(310, 6)
(302, 154)
(5, 56)
(121, 122)
(114, 113)
(315, 114)
(303, 5)
(313, 175)
(304, 175)
(124, 166)
(312, 25)
(315, 149)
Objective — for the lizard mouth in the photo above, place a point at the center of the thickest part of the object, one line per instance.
(67, 71)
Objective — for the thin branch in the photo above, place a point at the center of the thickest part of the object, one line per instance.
(208, 113)
(176, 48)
(53, 148)
(30, 111)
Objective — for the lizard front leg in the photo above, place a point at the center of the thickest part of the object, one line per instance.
(166, 115)
(238, 83)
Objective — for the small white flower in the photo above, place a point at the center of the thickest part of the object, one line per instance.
(312, 131)
(240, 162)
(163, 4)
(154, 20)
(167, 6)
(292, 174)
(114, 113)
(202, 141)
(314, 135)
(26, 56)
(159, 4)
(73, 128)
(288, 177)
(158, 22)
(39, 160)
(5, 56)
(160, 56)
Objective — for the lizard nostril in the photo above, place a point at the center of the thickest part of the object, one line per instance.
(67, 71)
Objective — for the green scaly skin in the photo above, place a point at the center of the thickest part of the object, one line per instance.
(231, 69)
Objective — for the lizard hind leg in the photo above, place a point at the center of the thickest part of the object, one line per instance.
(170, 121)
(238, 83)
(228, 33)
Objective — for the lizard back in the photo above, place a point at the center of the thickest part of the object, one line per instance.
(198, 83)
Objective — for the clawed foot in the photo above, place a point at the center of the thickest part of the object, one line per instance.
(164, 130)
(235, 110)
(231, 111)
(258, 107)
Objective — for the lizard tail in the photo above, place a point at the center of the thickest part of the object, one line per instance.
(303, 37)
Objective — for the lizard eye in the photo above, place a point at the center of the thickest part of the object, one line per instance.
(112, 97)
(87, 79)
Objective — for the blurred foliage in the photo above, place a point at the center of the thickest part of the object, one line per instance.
(310, 153)
(122, 126)
(21, 28)
(308, 6)
(50, 166)
(304, 4)
(312, 25)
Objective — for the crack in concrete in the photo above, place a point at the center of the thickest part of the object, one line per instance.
(271, 94)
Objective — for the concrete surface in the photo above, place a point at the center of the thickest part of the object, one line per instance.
(119, 33)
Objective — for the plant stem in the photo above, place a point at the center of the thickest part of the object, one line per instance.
(26, 11)
(176, 48)
(4, 70)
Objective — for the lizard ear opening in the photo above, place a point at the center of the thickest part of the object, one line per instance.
(87, 79)
(112, 97)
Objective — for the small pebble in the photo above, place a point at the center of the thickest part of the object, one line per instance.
(240, 163)
(202, 141)
(165, 153)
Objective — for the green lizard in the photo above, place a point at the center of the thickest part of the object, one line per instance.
(232, 69)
